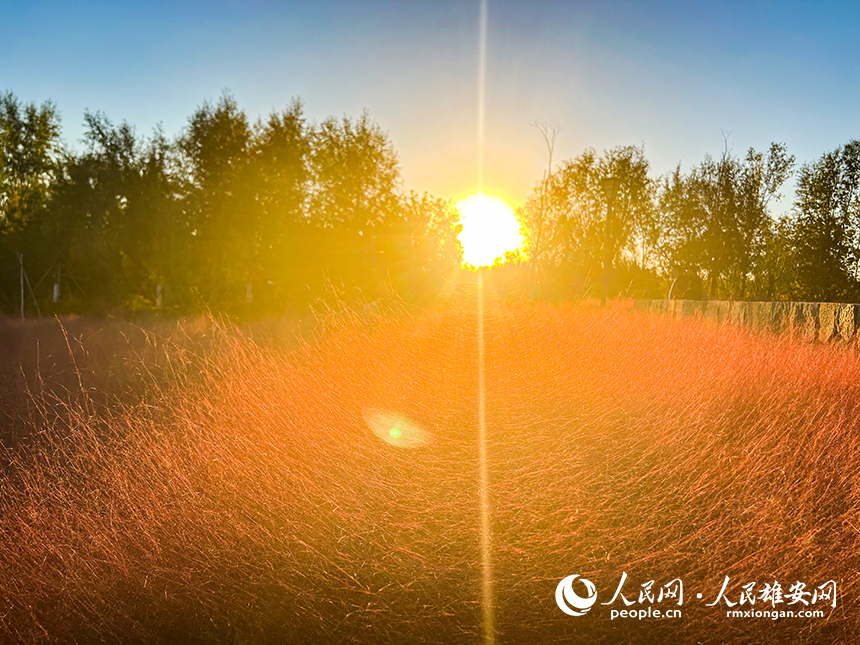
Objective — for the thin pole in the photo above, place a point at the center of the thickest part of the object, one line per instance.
(484, 479)
(607, 253)
(33, 294)
(57, 283)
(21, 267)
(605, 281)
(610, 187)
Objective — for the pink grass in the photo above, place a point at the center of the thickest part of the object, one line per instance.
(239, 494)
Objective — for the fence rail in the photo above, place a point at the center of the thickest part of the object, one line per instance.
(814, 321)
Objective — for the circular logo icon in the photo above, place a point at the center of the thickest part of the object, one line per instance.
(569, 601)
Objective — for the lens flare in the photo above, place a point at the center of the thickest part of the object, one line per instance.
(396, 429)
(490, 229)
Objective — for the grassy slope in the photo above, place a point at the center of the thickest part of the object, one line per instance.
(240, 492)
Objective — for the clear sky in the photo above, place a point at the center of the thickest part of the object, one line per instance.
(672, 75)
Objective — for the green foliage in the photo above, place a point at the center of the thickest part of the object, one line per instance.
(824, 237)
(291, 209)
(565, 219)
(716, 221)
(112, 217)
(279, 172)
(355, 174)
(218, 200)
(420, 247)
(263, 218)
(29, 147)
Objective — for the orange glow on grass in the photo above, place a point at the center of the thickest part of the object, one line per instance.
(490, 229)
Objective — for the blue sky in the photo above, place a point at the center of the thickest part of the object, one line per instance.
(672, 75)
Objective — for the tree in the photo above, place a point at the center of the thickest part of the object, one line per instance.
(29, 151)
(279, 175)
(218, 200)
(112, 219)
(566, 217)
(826, 228)
(715, 220)
(355, 201)
(278, 204)
(421, 251)
(539, 212)
(29, 160)
(355, 174)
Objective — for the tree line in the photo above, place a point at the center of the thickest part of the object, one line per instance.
(229, 216)
(267, 217)
(712, 226)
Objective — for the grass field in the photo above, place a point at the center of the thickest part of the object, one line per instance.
(197, 482)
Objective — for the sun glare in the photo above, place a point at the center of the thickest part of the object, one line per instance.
(490, 229)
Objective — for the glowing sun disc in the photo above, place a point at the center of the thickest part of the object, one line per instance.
(490, 229)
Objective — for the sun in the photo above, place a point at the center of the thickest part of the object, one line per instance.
(490, 229)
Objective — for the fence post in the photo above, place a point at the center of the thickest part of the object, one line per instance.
(21, 266)
(57, 284)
